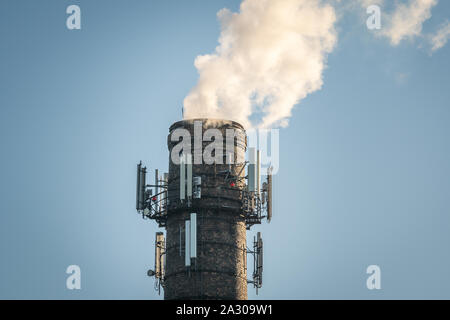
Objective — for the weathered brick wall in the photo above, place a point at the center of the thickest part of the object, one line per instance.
(220, 270)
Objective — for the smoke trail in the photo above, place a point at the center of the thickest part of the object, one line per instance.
(270, 56)
(407, 19)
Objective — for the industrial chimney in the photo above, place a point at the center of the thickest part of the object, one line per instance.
(206, 203)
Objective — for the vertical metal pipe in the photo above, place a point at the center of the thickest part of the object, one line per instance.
(156, 184)
(138, 186)
(166, 184)
(258, 167)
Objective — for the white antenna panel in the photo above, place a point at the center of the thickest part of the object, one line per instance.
(182, 178)
(187, 242)
(251, 170)
(193, 235)
(189, 175)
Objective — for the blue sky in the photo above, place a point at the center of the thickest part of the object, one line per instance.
(364, 163)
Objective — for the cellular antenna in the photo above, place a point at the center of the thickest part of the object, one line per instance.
(182, 178)
(189, 175)
(138, 186)
(257, 262)
(205, 209)
(187, 243)
(160, 245)
(193, 236)
(160, 251)
(251, 170)
(151, 199)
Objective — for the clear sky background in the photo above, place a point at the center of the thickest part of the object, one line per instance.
(364, 164)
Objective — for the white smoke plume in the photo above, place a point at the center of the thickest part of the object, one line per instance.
(440, 38)
(270, 56)
(407, 19)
